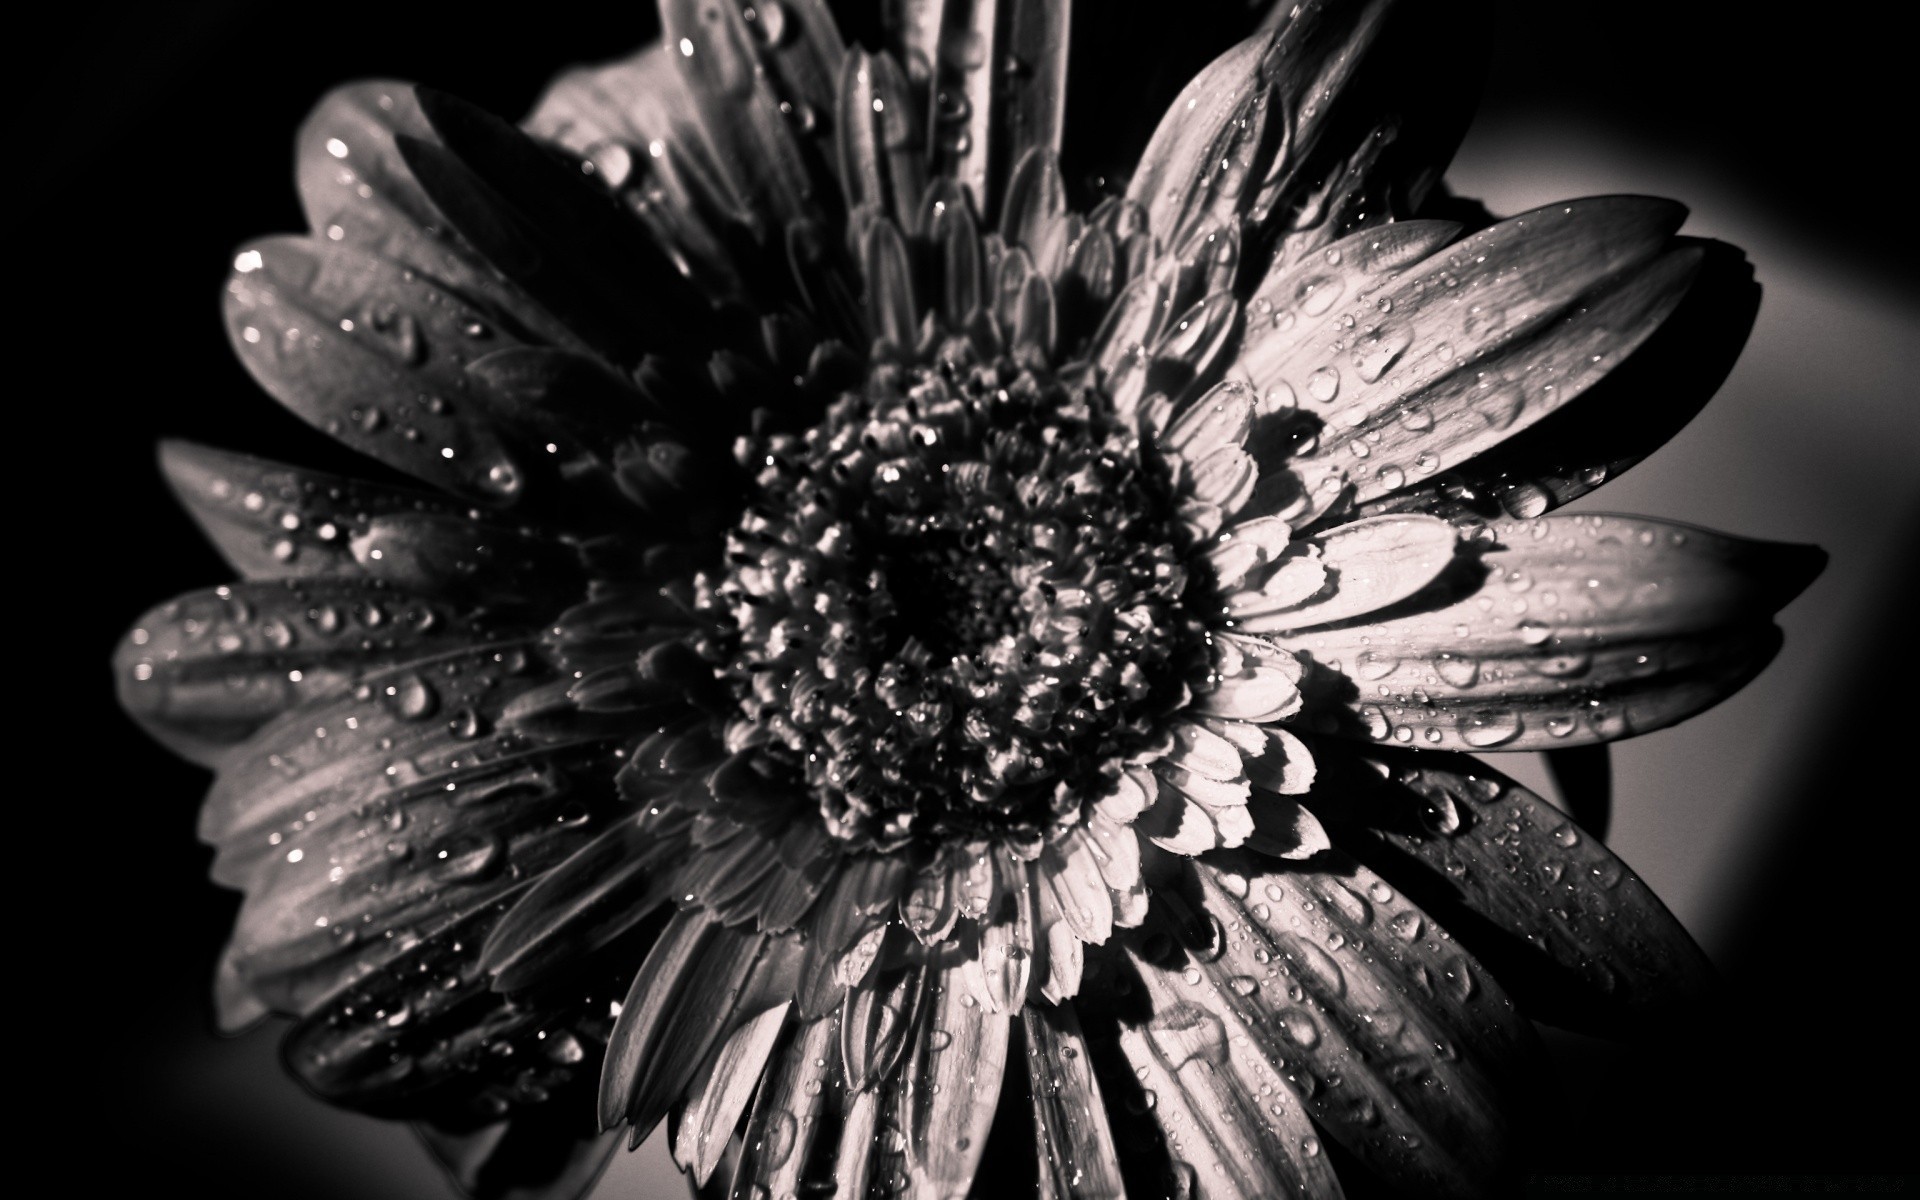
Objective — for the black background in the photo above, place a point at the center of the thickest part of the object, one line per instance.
(149, 142)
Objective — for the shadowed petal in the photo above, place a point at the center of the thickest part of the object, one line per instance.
(605, 888)
(1077, 1160)
(295, 312)
(700, 982)
(1481, 339)
(424, 1038)
(357, 188)
(1617, 422)
(1333, 975)
(1570, 930)
(1254, 111)
(738, 103)
(996, 72)
(798, 1099)
(1567, 630)
(275, 521)
(882, 150)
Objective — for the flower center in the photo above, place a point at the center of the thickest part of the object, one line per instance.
(954, 606)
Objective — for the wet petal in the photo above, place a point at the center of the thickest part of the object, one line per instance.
(1069, 1119)
(357, 188)
(1284, 828)
(1569, 630)
(722, 1096)
(790, 1110)
(699, 983)
(952, 1087)
(1363, 567)
(881, 148)
(1214, 152)
(1218, 1100)
(1426, 1047)
(1617, 422)
(1482, 339)
(998, 89)
(205, 671)
(1258, 693)
(1571, 931)
(606, 888)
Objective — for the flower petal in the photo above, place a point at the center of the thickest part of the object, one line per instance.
(721, 1097)
(1284, 829)
(1571, 931)
(1258, 693)
(551, 232)
(987, 113)
(1424, 1044)
(875, 1023)
(789, 1112)
(1475, 342)
(1283, 765)
(1368, 566)
(952, 1087)
(294, 311)
(699, 983)
(1077, 1159)
(1220, 1099)
(423, 1035)
(1073, 872)
(1571, 630)
(357, 188)
(882, 153)
(205, 671)
(604, 889)
(1250, 114)
(1617, 422)
(274, 521)
(738, 104)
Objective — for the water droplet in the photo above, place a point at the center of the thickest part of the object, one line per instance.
(1534, 632)
(1488, 727)
(1460, 671)
(781, 1133)
(1500, 407)
(1406, 925)
(1370, 666)
(1375, 352)
(412, 699)
(1324, 384)
(1318, 294)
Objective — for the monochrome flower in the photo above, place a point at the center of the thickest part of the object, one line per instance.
(883, 645)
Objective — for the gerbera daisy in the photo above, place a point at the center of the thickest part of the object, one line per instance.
(899, 650)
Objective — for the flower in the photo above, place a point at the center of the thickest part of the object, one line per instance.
(888, 649)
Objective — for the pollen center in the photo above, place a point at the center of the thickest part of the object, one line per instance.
(957, 603)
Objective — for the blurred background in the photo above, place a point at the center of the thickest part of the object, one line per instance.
(1778, 827)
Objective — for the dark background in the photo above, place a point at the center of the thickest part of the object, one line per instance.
(150, 142)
